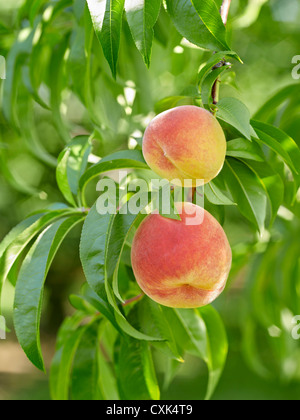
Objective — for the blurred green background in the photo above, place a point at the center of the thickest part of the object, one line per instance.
(266, 34)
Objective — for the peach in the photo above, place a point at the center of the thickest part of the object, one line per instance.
(181, 265)
(185, 143)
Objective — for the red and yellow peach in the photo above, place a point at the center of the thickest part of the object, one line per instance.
(179, 264)
(185, 143)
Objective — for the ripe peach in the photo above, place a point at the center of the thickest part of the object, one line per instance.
(185, 143)
(181, 265)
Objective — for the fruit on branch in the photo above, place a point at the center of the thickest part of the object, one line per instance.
(181, 264)
(185, 143)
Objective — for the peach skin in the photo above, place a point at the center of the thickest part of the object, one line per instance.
(180, 265)
(185, 143)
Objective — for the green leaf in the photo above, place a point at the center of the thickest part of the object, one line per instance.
(16, 241)
(57, 67)
(28, 129)
(247, 191)
(15, 181)
(136, 373)
(93, 250)
(189, 24)
(281, 143)
(215, 196)
(101, 306)
(29, 288)
(86, 370)
(81, 304)
(108, 382)
(272, 184)
(17, 230)
(142, 16)
(16, 57)
(62, 176)
(286, 93)
(80, 148)
(242, 148)
(208, 83)
(211, 62)
(120, 230)
(166, 208)
(235, 113)
(211, 18)
(107, 19)
(217, 346)
(68, 340)
(72, 163)
(130, 159)
(153, 322)
(93, 253)
(31, 88)
(172, 102)
(201, 333)
(194, 330)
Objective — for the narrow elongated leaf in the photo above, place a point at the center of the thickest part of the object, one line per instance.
(216, 196)
(211, 18)
(211, 62)
(31, 88)
(195, 331)
(208, 83)
(288, 92)
(271, 182)
(17, 55)
(72, 163)
(85, 371)
(235, 113)
(17, 230)
(62, 176)
(93, 253)
(189, 24)
(108, 381)
(217, 346)
(28, 129)
(101, 306)
(172, 102)
(132, 159)
(153, 322)
(242, 148)
(247, 191)
(29, 288)
(121, 227)
(16, 242)
(142, 16)
(281, 143)
(16, 182)
(78, 160)
(136, 372)
(61, 366)
(93, 249)
(107, 19)
(57, 65)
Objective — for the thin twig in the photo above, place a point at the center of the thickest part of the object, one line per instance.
(134, 299)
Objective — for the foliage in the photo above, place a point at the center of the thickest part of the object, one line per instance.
(77, 65)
